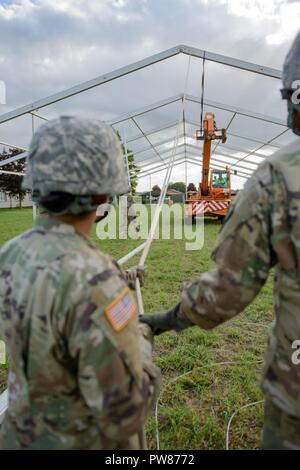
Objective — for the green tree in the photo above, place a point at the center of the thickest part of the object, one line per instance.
(133, 172)
(179, 186)
(11, 184)
(133, 168)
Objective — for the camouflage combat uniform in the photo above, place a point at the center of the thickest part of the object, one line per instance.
(262, 230)
(81, 376)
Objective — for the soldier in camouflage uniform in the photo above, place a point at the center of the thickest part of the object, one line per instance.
(261, 231)
(81, 374)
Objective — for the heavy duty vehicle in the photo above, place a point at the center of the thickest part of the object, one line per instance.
(214, 194)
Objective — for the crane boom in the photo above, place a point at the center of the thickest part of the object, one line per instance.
(214, 194)
(208, 134)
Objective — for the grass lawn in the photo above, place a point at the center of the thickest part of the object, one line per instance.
(194, 409)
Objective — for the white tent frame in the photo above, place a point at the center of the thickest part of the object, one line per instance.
(189, 152)
(33, 110)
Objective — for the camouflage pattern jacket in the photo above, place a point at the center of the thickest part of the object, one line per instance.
(81, 375)
(262, 230)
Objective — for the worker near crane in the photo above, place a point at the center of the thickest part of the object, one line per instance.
(220, 181)
(261, 231)
(81, 374)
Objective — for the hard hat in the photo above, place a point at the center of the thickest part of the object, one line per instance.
(291, 82)
(77, 156)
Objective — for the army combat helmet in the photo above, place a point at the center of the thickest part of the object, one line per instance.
(291, 83)
(72, 160)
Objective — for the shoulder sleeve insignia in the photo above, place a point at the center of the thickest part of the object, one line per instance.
(121, 309)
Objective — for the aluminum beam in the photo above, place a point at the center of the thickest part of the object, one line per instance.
(232, 134)
(215, 165)
(196, 163)
(13, 159)
(239, 168)
(191, 51)
(191, 147)
(158, 144)
(13, 146)
(214, 161)
(225, 147)
(230, 61)
(196, 99)
(199, 149)
(240, 111)
(144, 110)
(177, 162)
(158, 165)
(240, 175)
(148, 140)
(153, 131)
(237, 149)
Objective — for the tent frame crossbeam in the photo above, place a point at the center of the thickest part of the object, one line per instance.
(34, 107)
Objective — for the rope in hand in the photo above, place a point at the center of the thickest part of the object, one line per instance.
(160, 203)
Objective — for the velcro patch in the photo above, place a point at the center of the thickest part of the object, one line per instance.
(121, 310)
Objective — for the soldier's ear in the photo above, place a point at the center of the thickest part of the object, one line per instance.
(101, 199)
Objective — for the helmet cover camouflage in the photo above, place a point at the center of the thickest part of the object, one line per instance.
(75, 155)
(291, 66)
(291, 84)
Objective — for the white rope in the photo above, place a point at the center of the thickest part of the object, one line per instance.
(161, 197)
(132, 253)
(189, 373)
(233, 415)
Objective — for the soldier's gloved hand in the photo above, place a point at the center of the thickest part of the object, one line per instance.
(133, 273)
(161, 322)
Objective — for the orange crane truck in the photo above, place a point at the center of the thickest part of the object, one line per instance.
(214, 193)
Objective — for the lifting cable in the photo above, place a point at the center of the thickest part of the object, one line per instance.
(202, 92)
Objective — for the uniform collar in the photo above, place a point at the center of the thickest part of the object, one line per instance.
(57, 226)
(54, 225)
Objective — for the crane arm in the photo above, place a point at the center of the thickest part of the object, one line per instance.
(208, 134)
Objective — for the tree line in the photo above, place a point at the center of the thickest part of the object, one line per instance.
(11, 184)
(178, 186)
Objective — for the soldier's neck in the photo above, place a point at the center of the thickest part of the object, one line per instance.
(82, 223)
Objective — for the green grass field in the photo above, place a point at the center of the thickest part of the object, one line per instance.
(194, 409)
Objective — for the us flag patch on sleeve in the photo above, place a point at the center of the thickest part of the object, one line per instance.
(121, 310)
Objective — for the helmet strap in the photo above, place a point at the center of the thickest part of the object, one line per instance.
(291, 121)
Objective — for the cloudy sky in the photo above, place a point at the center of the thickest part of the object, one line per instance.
(49, 45)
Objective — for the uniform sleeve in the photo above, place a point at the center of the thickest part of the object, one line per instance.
(104, 341)
(243, 257)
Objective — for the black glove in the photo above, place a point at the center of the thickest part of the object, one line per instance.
(161, 322)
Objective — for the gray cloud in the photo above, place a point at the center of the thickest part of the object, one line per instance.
(48, 45)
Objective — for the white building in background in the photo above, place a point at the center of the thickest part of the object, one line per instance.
(7, 202)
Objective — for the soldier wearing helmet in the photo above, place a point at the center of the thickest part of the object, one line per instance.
(261, 231)
(81, 374)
